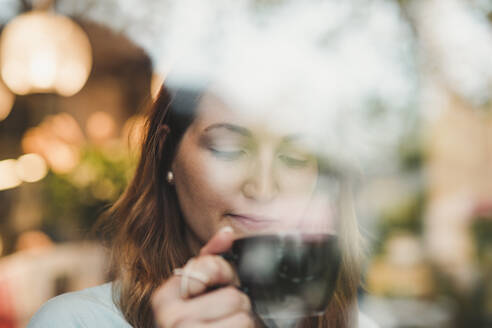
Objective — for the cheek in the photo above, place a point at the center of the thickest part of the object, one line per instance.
(320, 216)
(204, 188)
(297, 181)
(198, 190)
(296, 198)
(223, 177)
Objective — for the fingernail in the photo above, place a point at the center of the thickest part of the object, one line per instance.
(226, 229)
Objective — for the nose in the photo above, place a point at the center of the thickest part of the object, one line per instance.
(261, 184)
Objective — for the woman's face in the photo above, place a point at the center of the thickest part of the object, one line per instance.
(230, 169)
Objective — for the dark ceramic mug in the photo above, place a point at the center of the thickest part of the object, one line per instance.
(287, 275)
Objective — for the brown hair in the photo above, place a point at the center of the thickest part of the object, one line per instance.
(146, 230)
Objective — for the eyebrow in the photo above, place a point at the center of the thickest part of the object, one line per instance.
(231, 127)
(293, 137)
(245, 132)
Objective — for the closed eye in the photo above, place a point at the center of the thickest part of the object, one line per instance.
(231, 154)
(294, 162)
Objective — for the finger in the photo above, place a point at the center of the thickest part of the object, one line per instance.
(220, 242)
(217, 270)
(226, 301)
(212, 306)
(164, 300)
(237, 320)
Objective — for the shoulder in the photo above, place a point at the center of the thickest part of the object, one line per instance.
(87, 308)
(366, 322)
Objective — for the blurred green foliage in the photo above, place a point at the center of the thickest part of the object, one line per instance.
(406, 216)
(482, 296)
(74, 201)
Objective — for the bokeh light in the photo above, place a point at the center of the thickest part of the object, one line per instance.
(43, 52)
(57, 139)
(33, 241)
(8, 174)
(6, 101)
(100, 126)
(31, 168)
(64, 127)
(61, 157)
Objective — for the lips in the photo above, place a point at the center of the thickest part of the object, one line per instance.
(251, 221)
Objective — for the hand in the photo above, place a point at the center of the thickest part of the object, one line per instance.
(222, 307)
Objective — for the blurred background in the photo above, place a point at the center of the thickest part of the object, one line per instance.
(72, 94)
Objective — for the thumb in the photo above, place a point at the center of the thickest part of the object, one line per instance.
(220, 242)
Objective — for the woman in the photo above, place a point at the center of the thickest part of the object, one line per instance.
(207, 175)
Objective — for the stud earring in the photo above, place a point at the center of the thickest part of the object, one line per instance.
(170, 177)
